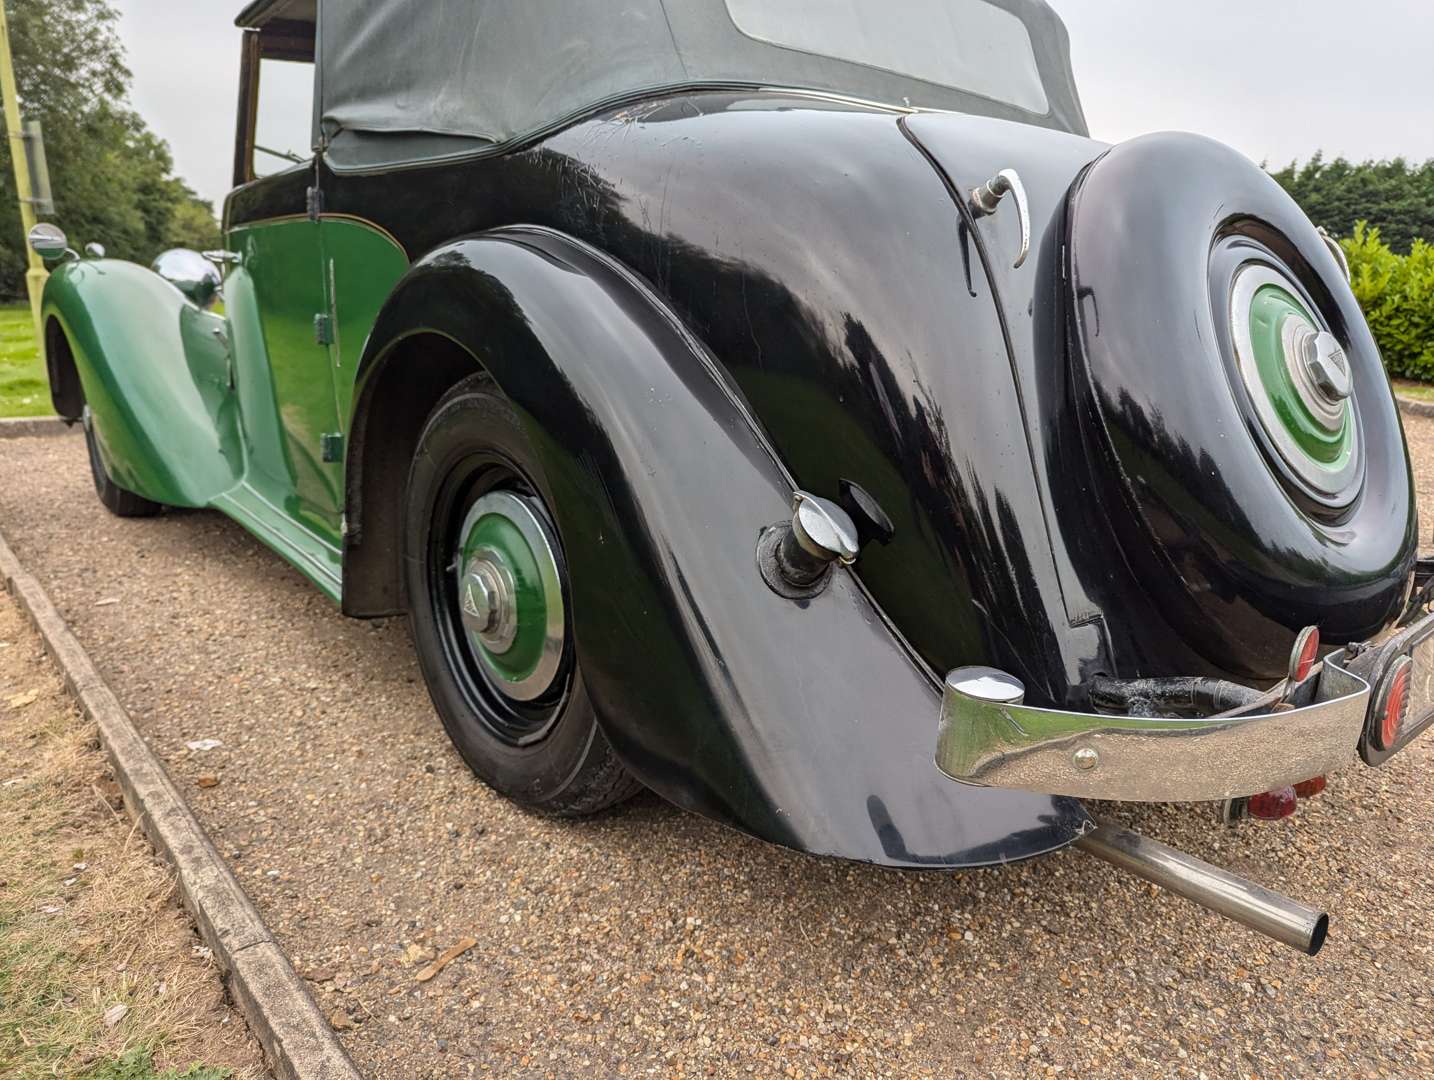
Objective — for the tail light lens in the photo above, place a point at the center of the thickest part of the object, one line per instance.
(1391, 703)
(1308, 788)
(1304, 654)
(1273, 805)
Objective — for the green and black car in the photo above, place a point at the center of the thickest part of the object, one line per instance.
(791, 409)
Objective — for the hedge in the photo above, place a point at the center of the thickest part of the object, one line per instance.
(1397, 295)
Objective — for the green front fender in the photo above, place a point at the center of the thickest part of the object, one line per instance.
(156, 376)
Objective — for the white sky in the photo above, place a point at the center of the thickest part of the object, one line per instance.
(1277, 79)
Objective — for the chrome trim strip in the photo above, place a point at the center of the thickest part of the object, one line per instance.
(1144, 759)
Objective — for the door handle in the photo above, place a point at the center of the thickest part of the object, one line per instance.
(223, 258)
(986, 200)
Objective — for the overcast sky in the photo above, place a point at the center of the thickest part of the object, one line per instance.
(1277, 79)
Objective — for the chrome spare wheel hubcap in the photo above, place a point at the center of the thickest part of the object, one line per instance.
(510, 594)
(1298, 379)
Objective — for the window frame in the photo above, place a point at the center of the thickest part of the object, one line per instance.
(280, 39)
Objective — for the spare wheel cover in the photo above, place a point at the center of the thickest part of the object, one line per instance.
(1245, 440)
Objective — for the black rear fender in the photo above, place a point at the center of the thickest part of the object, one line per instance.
(808, 724)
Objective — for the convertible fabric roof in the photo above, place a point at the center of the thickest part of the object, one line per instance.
(401, 80)
(262, 12)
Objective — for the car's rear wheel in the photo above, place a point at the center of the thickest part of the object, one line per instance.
(490, 611)
(117, 500)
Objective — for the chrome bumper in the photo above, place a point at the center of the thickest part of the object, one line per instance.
(1144, 759)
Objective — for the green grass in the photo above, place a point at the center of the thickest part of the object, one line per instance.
(1410, 389)
(138, 1064)
(24, 388)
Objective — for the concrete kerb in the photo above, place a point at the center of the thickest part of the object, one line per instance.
(28, 426)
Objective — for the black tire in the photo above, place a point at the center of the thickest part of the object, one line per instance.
(547, 753)
(117, 500)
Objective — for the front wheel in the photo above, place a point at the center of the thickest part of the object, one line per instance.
(489, 606)
(117, 500)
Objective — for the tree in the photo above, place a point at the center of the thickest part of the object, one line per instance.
(1393, 196)
(112, 177)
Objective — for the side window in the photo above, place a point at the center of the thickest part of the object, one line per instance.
(276, 100)
(283, 126)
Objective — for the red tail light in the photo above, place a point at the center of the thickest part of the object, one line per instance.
(1273, 805)
(1304, 654)
(1307, 788)
(1391, 703)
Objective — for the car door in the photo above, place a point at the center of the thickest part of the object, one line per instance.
(279, 309)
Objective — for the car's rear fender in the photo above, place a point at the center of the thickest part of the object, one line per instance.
(154, 370)
(805, 723)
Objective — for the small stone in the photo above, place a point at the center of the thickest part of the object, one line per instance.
(208, 780)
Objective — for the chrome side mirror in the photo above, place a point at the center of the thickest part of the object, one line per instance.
(49, 241)
(190, 273)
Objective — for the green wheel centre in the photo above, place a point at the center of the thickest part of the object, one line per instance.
(1270, 309)
(509, 537)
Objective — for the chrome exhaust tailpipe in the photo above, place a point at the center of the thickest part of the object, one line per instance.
(1252, 905)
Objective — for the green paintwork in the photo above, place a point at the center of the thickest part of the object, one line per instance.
(362, 265)
(195, 409)
(1269, 309)
(155, 374)
(283, 259)
(497, 534)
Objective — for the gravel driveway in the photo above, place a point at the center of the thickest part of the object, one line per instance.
(651, 942)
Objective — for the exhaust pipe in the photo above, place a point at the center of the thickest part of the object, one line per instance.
(1252, 905)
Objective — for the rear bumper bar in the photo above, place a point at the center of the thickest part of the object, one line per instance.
(1297, 732)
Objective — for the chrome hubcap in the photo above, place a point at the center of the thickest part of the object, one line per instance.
(1298, 380)
(510, 594)
(489, 601)
(1320, 370)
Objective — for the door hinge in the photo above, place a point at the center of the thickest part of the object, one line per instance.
(314, 202)
(331, 446)
(323, 330)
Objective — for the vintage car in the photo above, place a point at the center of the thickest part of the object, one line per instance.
(789, 409)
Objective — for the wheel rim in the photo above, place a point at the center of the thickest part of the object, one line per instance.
(1298, 381)
(497, 581)
(510, 594)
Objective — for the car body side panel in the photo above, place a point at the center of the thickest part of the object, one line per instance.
(362, 264)
(283, 261)
(807, 724)
(156, 376)
(846, 297)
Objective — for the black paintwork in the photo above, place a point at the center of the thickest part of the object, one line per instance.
(1239, 563)
(862, 327)
(719, 694)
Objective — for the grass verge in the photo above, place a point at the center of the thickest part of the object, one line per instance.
(1417, 390)
(24, 387)
(101, 975)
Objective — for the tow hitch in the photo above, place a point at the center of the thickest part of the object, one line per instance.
(1224, 893)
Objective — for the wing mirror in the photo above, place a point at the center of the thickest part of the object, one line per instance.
(190, 273)
(49, 242)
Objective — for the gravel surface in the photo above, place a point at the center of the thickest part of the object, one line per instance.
(652, 942)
